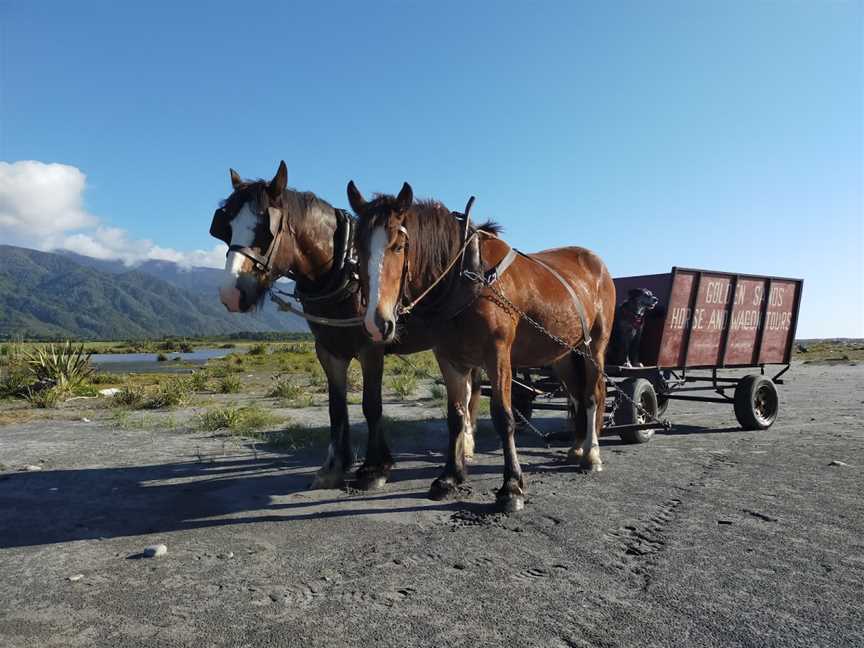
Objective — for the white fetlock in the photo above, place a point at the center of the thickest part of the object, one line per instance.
(468, 444)
(592, 460)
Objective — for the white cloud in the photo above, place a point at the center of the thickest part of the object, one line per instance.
(41, 206)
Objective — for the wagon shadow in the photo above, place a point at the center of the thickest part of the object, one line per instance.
(683, 430)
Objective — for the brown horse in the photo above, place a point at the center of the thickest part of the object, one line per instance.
(405, 246)
(273, 231)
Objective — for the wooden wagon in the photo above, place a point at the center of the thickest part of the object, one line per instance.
(706, 323)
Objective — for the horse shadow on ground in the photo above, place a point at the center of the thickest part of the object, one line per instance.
(55, 506)
(64, 505)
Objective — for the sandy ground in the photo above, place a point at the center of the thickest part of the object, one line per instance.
(706, 536)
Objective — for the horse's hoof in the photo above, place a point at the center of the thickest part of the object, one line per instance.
(575, 456)
(510, 503)
(441, 490)
(326, 481)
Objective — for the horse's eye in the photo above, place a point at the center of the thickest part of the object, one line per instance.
(399, 248)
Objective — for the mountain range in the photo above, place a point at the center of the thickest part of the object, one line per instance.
(67, 295)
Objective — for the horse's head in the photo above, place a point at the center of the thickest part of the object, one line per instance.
(383, 253)
(250, 221)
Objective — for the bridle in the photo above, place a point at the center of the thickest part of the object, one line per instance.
(264, 262)
(469, 235)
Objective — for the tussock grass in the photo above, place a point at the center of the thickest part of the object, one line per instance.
(198, 381)
(131, 396)
(292, 394)
(14, 382)
(45, 398)
(403, 385)
(355, 377)
(229, 384)
(172, 393)
(284, 387)
(237, 420)
(439, 392)
(258, 349)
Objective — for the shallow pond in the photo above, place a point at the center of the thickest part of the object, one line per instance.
(147, 362)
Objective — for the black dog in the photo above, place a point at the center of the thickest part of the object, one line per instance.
(627, 330)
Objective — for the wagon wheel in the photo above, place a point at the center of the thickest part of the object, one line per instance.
(756, 402)
(642, 393)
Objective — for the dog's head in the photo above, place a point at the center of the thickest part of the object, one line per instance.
(641, 300)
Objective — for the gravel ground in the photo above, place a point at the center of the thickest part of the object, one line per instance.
(706, 536)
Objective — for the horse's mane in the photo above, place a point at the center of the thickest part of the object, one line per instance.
(296, 202)
(434, 233)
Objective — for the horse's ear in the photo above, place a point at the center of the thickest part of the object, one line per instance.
(236, 180)
(279, 182)
(355, 198)
(405, 198)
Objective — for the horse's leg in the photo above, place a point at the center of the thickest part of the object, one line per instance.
(587, 453)
(376, 468)
(511, 496)
(458, 382)
(339, 459)
(570, 372)
(471, 419)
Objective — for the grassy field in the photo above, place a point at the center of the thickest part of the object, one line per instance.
(254, 391)
(836, 350)
(257, 390)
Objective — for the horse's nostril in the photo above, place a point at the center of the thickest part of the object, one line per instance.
(388, 328)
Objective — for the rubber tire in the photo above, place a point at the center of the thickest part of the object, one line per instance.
(746, 393)
(641, 391)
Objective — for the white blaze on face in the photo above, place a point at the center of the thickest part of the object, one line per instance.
(377, 247)
(242, 233)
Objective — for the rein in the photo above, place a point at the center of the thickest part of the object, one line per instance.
(405, 310)
(285, 305)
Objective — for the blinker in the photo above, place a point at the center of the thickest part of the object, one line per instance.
(220, 228)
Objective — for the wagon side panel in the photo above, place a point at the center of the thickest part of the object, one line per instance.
(709, 317)
(744, 322)
(778, 327)
(677, 320)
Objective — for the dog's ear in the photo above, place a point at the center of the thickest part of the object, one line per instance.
(633, 293)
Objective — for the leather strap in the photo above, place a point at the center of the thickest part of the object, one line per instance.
(492, 275)
(580, 309)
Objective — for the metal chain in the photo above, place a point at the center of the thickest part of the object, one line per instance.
(438, 380)
(473, 276)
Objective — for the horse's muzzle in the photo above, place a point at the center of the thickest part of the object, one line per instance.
(380, 329)
(231, 297)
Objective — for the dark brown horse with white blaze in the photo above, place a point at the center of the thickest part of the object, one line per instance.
(273, 231)
(404, 246)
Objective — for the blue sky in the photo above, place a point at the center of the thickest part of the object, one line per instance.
(723, 135)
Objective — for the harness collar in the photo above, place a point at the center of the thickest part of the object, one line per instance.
(343, 279)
